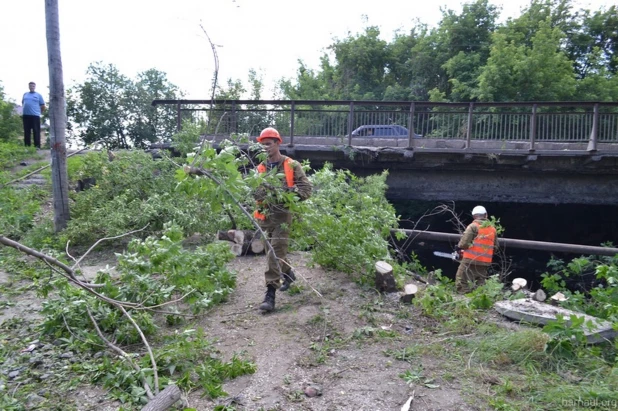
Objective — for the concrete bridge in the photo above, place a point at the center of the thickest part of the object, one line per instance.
(529, 152)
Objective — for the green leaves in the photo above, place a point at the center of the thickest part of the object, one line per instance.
(346, 222)
(117, 111)
(10, 122)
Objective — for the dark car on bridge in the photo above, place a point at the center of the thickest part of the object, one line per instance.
(382, 131)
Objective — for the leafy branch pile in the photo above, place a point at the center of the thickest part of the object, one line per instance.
(130, 192)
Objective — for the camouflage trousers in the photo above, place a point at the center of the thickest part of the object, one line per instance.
(469, 276)
(277, 229)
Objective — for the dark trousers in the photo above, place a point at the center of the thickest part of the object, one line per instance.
(32, 124)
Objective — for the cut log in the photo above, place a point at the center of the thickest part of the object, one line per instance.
(257, 244)
(250, 241)
(385, 281)
(236, 249)
(409, 291)
(243, 236)
(164, 400)
(230, 235)
(223, 236)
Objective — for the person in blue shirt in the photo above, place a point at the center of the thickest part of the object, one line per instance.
(33, 104)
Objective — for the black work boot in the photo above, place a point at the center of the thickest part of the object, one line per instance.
(287, 280)
(269, 300)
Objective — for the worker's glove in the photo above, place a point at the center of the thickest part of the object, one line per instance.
(260, 193)
(292, 189)
(458, 253)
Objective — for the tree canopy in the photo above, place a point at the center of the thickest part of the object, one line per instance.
(111, 108)
(550, 52)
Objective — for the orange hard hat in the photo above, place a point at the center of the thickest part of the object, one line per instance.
(269, 132)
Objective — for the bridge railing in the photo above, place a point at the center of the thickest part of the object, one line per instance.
(580, 124)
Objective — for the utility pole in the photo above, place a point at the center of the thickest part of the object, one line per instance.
(57, 116)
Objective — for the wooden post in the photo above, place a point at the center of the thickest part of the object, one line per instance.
(58, 119)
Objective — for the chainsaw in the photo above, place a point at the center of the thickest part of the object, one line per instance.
(455, 256)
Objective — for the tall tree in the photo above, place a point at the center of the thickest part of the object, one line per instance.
(540, 72)
(58, 120)
(594, 45)
(147, 122)
(467, 39)
(361, 65)
(111, 108)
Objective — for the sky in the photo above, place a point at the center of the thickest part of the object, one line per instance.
(269, 36)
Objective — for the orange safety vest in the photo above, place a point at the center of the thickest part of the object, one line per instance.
(482, 249)
(289, 179)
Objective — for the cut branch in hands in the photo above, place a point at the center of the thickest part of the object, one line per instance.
(202, 172)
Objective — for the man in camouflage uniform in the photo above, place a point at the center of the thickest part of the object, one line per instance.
(274, 217)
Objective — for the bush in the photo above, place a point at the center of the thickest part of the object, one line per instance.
(10, 123)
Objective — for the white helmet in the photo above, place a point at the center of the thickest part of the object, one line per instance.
(479, 210)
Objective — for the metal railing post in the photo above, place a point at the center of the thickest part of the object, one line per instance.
(178, 122)
(533, 127)
(292, 112)
(411, 126)
(350, 123)
(469, 128)
(594, 133)
(234, 118)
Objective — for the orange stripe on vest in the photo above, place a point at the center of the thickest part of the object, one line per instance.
(289, 179)
(482, 249)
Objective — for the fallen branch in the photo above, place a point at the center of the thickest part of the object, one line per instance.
(104, 239)
(69, 274)
(145, 341)
(122, 353)
(164, 400)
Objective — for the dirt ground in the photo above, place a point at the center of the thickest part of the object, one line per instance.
(330, 335)
(325, 337)
(353, 374)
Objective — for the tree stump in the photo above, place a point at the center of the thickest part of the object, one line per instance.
(409, 291)
(164, 400)
(385, 281)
